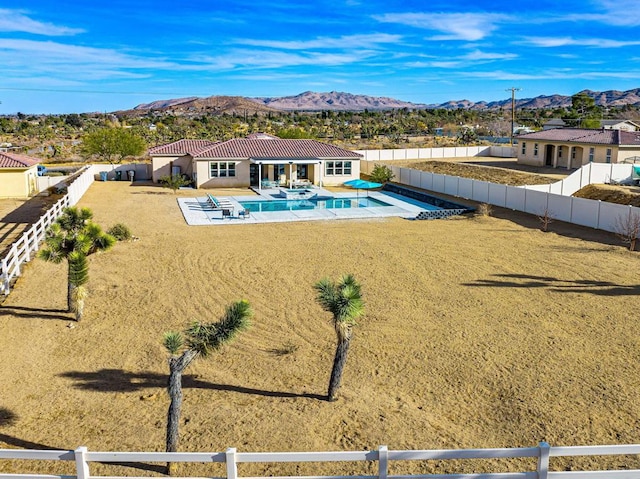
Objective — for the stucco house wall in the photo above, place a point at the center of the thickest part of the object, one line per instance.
(18, 183)
(18, 175)
(204, 179)
(161, 166)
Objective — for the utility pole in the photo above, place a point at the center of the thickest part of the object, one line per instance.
(513, 109)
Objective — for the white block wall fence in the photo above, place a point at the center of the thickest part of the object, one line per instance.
(554, 198)
(437, 153)
(383, 456)
(25, 248)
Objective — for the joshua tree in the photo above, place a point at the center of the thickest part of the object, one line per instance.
(200, 340)
(73, 237)
(343, 301)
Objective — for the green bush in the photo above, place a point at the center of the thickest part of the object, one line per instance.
(381, 174)
(120, 232)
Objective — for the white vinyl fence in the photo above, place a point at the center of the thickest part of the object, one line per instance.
(588, 174)
(550, 200)
(231, 458)
(437, 153)
(25, 248)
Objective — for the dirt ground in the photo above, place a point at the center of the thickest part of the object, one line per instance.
(479, 332)
(505, 171)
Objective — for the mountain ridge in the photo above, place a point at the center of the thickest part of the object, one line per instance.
(343, 101)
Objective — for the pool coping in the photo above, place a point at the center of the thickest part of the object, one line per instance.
(197, 211)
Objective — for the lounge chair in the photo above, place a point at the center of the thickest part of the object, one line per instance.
(221, 207)
(270, 183)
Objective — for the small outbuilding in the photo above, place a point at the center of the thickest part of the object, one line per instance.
(18, 175)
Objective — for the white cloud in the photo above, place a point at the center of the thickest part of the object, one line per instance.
(455, 26)
(18, 21)
(553, 75)
(72, 61)
(344, 42)
(625, 13)
(242, 58)
(549, 42)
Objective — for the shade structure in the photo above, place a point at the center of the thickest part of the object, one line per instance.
(362, 185)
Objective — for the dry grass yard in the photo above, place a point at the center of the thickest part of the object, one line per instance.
(479, 332)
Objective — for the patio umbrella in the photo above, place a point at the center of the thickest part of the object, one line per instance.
(362, 185)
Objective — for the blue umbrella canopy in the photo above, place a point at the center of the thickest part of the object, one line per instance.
(362, 184)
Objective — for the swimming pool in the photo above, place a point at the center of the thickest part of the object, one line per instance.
(312, 204)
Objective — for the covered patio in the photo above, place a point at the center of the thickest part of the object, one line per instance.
(290, 173)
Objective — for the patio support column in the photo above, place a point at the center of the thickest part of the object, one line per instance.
(260, 176)
(320, 174)
(291, 174)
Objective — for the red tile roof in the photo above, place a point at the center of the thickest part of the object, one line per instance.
(12, 160)
(270, 148)
(583, 135)
(182, 147)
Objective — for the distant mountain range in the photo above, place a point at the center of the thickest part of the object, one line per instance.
(340, 101)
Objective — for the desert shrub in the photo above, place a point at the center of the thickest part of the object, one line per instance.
(381, 174)
(546, 218)
(174, 182)
(484, 209)
(120, 232)
(627, 228)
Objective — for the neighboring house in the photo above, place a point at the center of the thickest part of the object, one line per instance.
(554, 123)
(18, 175)
(626, 125)
(574, 147)
(244, 162)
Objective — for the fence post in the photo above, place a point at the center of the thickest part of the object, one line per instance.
(543, 460)
(232, 468)
(383, 462)
(82, 467)
(4, 277)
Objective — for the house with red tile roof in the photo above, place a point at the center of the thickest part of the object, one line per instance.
(574, 147)
(257, 160)
(18, 175)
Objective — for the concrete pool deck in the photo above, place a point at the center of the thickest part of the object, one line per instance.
(198, 212)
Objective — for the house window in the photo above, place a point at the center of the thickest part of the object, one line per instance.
(524, 148)
(608, 159)
(222, 169)
(559, 152)
(592, 152)
(573, 152)
(332, 168)
(535, 149)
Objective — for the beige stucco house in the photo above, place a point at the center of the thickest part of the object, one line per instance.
(574, 147)
(18, 175)
(255, 161)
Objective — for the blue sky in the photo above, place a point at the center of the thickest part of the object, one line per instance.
(82, 56)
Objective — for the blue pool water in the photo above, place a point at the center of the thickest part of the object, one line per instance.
(312, 204)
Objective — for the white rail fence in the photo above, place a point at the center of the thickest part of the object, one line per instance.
(25, 248)
(553, 201)
(436, 153)
(231, 458)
